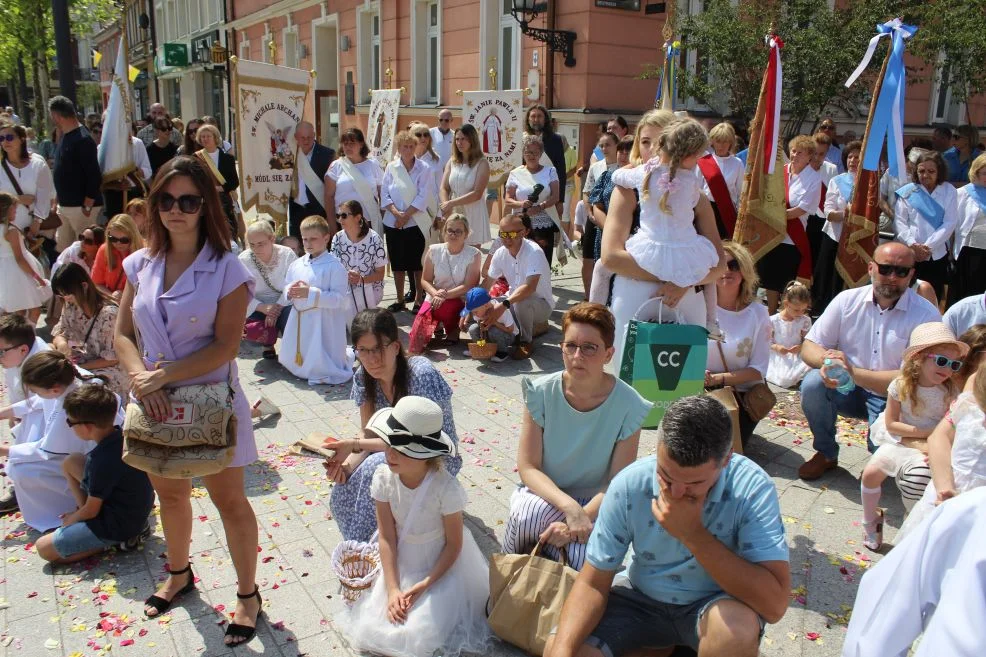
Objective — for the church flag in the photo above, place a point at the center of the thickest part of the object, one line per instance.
(499, 118)
(381, 127)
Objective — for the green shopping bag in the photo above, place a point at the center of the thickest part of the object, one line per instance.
(663, 361)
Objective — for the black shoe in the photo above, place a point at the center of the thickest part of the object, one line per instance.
(159, 604)
(396, 307)
(135, 542)
(409, 297)
(8, 503)
(243, 633)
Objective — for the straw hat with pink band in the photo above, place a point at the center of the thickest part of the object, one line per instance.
(933, 334)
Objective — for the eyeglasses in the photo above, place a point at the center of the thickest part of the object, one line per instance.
(899, 270)
(455, 232)
(343, 215)
(3, 352)
(118, 240)
(10, 137)
(371, 352)
(827, 127)
(73, 423)
(509, 234)
(88, 241)
(733, 265)
(187, 203)
(444, 120)
(945, 362)
(589, 349)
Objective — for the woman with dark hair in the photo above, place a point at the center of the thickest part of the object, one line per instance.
(532, 190)
(83, 252)
(958, 159)
(925, 218)
(186, 297)
(361, 252)
(826, 281)
(25, 176)
(464, 182)
(190, 144)
(353, 177)
(84, 331)
(384, 376)
(161, 149)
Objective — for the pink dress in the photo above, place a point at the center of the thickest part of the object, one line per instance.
(181, 321)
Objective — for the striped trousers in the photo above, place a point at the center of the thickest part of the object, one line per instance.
(530, 515)
(912, 478)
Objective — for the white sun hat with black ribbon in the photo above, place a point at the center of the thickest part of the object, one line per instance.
(414, 428)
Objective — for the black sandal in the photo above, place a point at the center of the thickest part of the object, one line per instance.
(270, 353)
(244, 632)
(159, 604)
(396, 307)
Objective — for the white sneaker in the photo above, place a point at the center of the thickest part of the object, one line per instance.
(266, 407)
(465, 352)
(500, 357)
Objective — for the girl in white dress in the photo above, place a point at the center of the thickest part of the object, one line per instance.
(24, 288)
(788, 328)
(361, 252)
(431, 595)
(27, 171)
(464, 184)
(917, 400)
(314, 342)
(667, 244)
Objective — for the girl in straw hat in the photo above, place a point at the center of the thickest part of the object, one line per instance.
(432, 596)
(917, 400)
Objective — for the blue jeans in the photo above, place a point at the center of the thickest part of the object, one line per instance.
(822, 406)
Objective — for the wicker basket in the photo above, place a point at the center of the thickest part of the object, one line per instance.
(482, 349)
(357, 565)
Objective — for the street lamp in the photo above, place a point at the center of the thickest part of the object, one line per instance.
(563, 41)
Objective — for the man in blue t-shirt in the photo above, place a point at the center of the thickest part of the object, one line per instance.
(710, 563)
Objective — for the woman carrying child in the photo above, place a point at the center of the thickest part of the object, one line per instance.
(917, 400)
(431, 597)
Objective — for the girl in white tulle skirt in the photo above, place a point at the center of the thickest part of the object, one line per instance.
(24, 288)
(788, 328)
(667, 245)
(431, 596)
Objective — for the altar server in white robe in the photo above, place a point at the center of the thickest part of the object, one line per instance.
(314, 343)
(34, 464)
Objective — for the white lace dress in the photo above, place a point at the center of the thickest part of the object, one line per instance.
(786, 370)
(450, 269)
(932, 405)
(462, 180)
(450, 617)
(18, 291)
(968, 458)
(365, 256)
(667, 245)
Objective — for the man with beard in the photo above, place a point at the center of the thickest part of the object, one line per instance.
(539, 123)
(865, 330)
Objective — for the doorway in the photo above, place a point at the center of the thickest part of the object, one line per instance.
(326, 55)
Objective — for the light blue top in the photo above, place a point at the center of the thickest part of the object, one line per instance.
(958, 171)
(741, 511)
(965, 314)
(578, 445)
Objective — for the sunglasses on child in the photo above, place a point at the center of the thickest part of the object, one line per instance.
(945, 362)
(900, 270)
(187, 203)
(118, 240)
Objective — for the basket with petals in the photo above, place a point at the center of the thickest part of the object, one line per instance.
(357, 565)
(482, 349)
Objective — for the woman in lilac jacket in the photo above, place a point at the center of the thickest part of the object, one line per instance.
(180, 321)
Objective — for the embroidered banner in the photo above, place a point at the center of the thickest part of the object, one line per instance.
(115, 152)
(382, 125)
(498, 118)
(270, 101)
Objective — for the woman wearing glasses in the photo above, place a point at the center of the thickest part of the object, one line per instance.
(27, 177)
(122, 239)
(745, 326)
(83, 252)
(384, 376)
(186, 297)
(361, 252)
(581, 427)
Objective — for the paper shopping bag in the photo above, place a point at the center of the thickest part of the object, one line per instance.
(663, 362)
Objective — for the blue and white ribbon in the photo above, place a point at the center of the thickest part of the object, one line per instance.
(888, 117)
(668, 83)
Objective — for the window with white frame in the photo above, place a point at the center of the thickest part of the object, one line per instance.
(265, 48)
(426, 53)
(508, 56)
(368, 54)
(172, 20)
(693, 61)
(290, 39)
(944, 107)
(245, 49)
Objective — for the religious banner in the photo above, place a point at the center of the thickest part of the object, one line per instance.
(885, 125)
(761, 222)
(382, 125)
(498, 118)
(270, 101)
(115, 152)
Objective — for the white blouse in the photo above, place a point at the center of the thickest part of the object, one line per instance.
(803, 191)
(834, 202)
(747, 344)
(732, 169)
(420, 175)
(971, 229)
(450, 270)
(345, 190)
(34, 180)
(912, 228)
(276, 272)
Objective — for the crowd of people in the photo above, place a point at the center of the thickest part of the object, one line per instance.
(159, 293)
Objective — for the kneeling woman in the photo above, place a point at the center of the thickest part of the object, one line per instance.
(581, 427)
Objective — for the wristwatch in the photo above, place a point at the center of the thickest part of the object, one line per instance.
(506, 303)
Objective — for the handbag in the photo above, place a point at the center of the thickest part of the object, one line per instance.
(758, 400)
(726, 396)
(257, 330)
(527, 592)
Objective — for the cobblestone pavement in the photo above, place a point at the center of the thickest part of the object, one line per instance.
(95, 608)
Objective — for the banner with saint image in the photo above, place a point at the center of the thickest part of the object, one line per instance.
(270, 101)
(498, 117)
(381, 127)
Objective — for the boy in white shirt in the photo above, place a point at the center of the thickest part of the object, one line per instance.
(502, 331)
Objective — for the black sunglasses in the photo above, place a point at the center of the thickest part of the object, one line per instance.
(733, 265)
(118, 240)
(73, 423)
(8, 137)
(187, 203)
(88, 241)
(342, 215)
(899, 270)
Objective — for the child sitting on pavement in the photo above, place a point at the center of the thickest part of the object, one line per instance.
(503, 332)
(114, 498)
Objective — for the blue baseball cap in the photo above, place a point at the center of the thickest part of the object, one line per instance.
(476, 297)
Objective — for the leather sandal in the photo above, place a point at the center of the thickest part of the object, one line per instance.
(244, 633)
(161, 605)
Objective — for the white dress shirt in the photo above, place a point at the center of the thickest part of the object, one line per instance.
(389, 192)
(934, 582)
(869, 336)
(442, 144)
(141, 160)
(834, 202)
(530, 260)
(912, 228)
(803, 191)
(732, 169)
